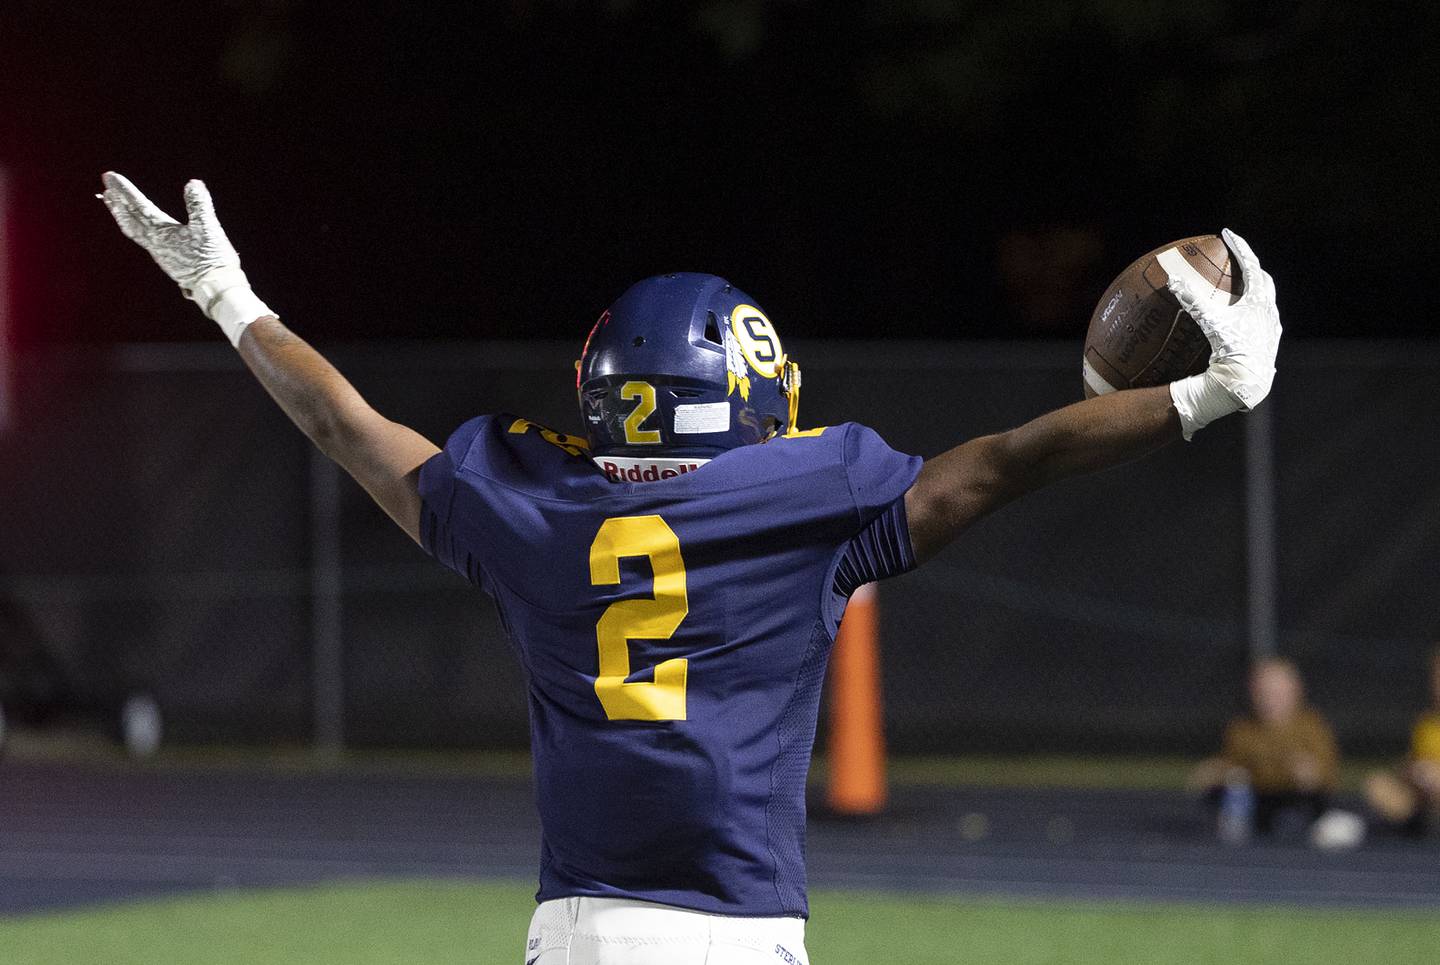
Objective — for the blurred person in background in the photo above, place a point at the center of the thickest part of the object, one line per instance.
(1409, 798)
(1279, 764)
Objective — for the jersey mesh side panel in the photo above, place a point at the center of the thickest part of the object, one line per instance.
(796, 734)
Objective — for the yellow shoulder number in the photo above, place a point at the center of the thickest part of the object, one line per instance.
(574, 445)
(655, 618)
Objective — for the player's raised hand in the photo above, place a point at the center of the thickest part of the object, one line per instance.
(1244, 339)
(196, 255)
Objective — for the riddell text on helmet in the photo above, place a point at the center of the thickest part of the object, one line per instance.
(647, 472)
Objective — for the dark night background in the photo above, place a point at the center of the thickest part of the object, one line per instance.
(863, 168)
(927, 197)
(424, 180)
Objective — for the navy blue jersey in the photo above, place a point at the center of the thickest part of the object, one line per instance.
(674, 636)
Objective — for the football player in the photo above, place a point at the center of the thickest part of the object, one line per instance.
(672, 580)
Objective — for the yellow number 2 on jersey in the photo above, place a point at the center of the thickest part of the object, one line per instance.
(654, 618)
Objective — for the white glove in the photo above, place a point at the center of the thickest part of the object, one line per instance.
(1244, 338)
(196, 255)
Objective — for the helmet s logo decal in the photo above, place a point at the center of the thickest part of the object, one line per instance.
(758, 341)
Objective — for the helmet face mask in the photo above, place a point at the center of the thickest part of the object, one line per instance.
(684, 365)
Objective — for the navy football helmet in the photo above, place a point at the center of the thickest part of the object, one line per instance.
(684, 365)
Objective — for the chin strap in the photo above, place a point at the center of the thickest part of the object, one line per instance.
(790, 386)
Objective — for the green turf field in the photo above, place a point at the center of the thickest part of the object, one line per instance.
(437, 923)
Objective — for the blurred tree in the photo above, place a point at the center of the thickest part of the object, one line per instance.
(507, 168)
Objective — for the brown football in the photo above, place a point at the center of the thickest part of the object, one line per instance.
(1139, 335)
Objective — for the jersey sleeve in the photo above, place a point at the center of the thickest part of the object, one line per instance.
(879, 477)
(438, 492)
(880, 550)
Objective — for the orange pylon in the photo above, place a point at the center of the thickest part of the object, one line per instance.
(857, 727)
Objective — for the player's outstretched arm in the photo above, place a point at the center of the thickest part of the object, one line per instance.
(383, 456)
(958, 487)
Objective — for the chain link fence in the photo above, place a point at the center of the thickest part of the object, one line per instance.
(166, 531)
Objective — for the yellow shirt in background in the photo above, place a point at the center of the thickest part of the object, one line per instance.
(1425, 739)
(1270, 751)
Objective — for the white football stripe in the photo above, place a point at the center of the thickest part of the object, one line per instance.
(1092, 378)
(1176, 266)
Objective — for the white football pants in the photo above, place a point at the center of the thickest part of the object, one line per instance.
(617, 931)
